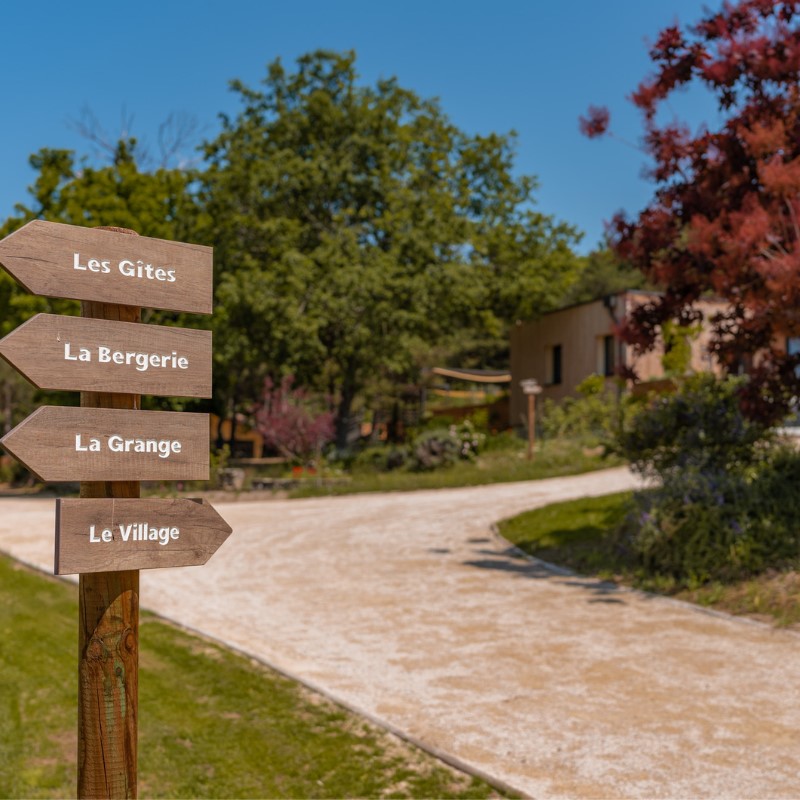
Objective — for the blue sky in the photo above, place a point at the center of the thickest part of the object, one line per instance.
(533, 67)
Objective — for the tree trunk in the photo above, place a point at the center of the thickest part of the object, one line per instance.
(343, 410)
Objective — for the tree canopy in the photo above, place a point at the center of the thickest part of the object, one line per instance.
(724, 217)
(355, 226)
(358, 235)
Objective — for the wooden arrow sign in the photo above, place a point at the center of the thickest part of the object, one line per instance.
(57, 260)
(90, 355)
(101, 444)
(111, 535)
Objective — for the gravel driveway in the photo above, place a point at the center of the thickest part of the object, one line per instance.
(406, 607)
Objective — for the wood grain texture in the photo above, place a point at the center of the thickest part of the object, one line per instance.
(75, 354)
(81, 527)
(42, 257)
(108, 636)
(48, 443)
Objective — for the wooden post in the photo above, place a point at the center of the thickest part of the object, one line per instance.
(531, 424)
(108, 638)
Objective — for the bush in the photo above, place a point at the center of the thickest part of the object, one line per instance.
(701, 426)
(725, 505)
(589, 418)
(702, 526)
(435, 449)
(380, 459)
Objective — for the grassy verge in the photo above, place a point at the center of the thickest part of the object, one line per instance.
(579, 534)
(505, 466)
(212, 723)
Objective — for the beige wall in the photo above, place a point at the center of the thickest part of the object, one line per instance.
(580, 330)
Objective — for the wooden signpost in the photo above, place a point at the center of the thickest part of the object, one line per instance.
(109, 445)
(91, 355)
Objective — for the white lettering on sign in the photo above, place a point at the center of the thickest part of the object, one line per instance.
(82, 355)
(92, 447)
(92, 265)
(141, 361)
(126, 267)
(105, 535)
(136, 532)
(117, 444)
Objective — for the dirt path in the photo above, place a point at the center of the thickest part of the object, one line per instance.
(406, 607)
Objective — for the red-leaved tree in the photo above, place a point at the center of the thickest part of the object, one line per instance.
(725, 217)
(289, 422)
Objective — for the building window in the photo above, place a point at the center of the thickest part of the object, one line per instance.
(793, 349)
(609, 362)
(554, 365)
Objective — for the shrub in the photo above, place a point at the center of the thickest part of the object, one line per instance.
(700, 426)
(435, 449)
(700, 526)
(380, 459)
(725, 505)
(590, 417)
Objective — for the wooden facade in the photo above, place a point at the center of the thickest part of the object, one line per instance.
(563, 348)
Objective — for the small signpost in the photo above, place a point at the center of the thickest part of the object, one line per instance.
(109, 445)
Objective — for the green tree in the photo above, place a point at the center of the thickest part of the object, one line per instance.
(355, 227)
(158, 203)
(603, 273)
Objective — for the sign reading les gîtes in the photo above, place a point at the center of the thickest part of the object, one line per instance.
(92, 355)
(56, 260)
(135, 534)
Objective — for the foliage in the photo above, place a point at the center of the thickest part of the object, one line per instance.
(213, 723)
(443, 447)
(434, 449)
(603, 273)
(677, 359)
(702, 525)
(699, 427)
(380, 458)
(723, 506)
(288, 420)
(591, 417)
(355, 226)
(725, 215)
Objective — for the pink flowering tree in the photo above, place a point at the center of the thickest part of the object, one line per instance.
(291, 422)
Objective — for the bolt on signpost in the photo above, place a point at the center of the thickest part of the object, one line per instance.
(530, 388)
(109, 445)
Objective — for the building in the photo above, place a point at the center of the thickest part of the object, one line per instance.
(563, 348)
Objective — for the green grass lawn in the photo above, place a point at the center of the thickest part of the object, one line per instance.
(553, 459)
(579, 534)
(211, 723)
